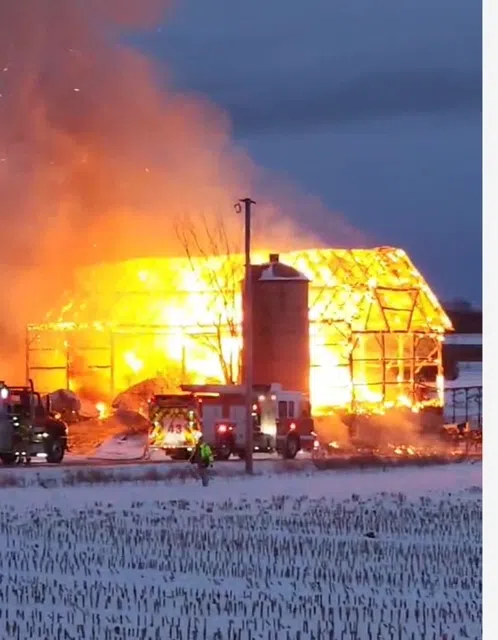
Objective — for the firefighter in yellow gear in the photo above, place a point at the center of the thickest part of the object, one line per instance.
(203, 457)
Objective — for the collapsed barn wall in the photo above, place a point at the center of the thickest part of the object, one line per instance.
(376, 328)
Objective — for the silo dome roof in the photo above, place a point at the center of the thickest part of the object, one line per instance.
(280, 271)
(276, 270)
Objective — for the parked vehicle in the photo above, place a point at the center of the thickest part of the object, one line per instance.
(282, 420)
(28, 428)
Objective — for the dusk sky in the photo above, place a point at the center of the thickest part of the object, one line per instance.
(375, 107)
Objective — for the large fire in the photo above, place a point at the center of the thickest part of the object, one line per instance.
(376, 328)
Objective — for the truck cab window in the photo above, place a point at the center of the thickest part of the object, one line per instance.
(291, 409)
(282, 409)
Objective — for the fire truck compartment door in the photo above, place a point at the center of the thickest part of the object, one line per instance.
(175, 429)
(211, 415)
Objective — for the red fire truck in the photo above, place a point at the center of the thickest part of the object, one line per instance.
(174, 424)
(282, 420)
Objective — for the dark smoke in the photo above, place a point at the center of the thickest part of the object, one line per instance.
(97, 163)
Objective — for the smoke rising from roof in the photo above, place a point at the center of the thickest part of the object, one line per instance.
(96, 162)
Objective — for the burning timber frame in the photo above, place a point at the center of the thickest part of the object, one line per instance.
(376, 328)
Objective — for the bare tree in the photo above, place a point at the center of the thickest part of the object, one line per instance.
(211, 253)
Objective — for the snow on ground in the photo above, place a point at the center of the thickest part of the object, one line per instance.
(122, 448)
(354, 555)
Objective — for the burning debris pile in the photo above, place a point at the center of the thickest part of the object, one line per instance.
(437, 451)
(376, 328)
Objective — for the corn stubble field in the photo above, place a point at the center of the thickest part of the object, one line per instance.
(365, 567)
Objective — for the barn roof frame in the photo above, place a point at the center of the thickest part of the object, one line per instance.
(366, 290)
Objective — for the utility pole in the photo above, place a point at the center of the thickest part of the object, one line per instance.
(247, 338)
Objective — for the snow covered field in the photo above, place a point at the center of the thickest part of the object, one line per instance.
(345, 555)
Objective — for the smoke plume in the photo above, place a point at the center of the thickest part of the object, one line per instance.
(97, 162)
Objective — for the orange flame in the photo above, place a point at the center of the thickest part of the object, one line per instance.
(103, 410)
(374, 324)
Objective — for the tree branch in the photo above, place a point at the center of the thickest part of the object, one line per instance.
(210, 254)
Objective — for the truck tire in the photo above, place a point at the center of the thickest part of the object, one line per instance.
(181, 454)
(9, 459)
(55, 450)
(291, 448)
(223, 451)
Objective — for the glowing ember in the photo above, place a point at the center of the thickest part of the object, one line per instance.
(376, 329)
(402, 450)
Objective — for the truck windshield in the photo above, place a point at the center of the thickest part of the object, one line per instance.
(18, 404)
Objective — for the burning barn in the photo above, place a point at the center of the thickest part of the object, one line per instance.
(373, 328)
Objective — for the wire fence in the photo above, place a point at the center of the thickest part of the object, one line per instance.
(464, 404)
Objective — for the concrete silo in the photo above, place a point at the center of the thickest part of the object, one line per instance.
(280, 325)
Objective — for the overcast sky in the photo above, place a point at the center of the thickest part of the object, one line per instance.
(373, 105)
